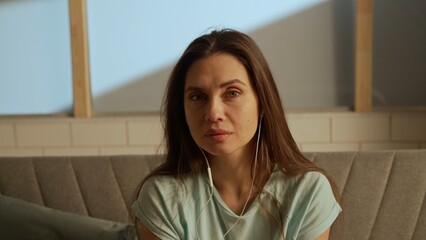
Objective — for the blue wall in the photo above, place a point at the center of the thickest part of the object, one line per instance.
(133, 45)
(128, 40)
(35, 58)
(133, 38)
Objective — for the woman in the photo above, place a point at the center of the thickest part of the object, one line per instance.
(232, 168)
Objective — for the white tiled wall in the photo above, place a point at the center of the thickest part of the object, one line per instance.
(103, 132)
(41, 134)
(310, 127)
(7, 135)
(360, 128)
(322, 131)
(406, 127)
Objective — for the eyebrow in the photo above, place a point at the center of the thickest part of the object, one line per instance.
(222, 85)
(230, 82)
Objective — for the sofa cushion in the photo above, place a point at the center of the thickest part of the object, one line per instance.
(85, 185)
(20, 219)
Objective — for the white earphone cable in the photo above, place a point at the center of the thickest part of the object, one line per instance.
(209, 173)
(202, 210)
(252, 183)
(211, 186)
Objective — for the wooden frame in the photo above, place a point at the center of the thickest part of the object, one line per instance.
(363, 55)
(82, 107)
(80, 57)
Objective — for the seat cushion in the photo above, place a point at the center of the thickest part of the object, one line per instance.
(20, 219)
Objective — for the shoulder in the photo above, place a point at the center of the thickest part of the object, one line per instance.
(161, 202)
(308, 202)
(317, 206)
(164, 187)
(316, 187)
(160, 184)
(305, 181)
(301, 190)
(313, 179)
(170, 189)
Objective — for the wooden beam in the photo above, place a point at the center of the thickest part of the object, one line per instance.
(80, 59)
(363, 55)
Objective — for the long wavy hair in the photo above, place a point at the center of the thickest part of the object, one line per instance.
(277, 147)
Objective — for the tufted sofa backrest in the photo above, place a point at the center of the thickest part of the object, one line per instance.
(383, 192)
(97, 186)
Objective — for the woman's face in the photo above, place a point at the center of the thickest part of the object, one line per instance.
(221, 106)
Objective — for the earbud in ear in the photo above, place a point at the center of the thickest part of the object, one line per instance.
(209, 170)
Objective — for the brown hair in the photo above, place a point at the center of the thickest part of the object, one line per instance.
(277, 147)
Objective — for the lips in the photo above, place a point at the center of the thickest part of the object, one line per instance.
(218, 134)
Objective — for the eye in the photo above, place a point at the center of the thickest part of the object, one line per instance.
(233, 93)
(196, 97)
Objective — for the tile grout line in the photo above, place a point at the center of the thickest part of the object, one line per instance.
(331, 129)
(127, 133)
(390, 127)
(15, 135)
(71, 135)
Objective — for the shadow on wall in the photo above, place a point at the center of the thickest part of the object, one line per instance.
(312, 64)
(399, 57)
(144, 94)
(310, 54)
(344, 47)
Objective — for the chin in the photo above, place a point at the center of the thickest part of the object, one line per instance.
(218, 151)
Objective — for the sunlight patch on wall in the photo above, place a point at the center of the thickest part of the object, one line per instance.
(130, 40)
(35, 57)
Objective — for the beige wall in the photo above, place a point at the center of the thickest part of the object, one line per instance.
(321, 131)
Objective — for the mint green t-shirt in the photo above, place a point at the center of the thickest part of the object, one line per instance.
(170, 208)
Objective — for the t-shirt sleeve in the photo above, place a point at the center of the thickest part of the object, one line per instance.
(319, 208)
(153, 209)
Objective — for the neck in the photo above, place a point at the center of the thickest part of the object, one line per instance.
(233, 180)
(231, 172)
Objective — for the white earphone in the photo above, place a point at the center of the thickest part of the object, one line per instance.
(209, 173)
(209, 170)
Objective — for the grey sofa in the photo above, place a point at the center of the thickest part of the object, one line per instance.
(383, 191)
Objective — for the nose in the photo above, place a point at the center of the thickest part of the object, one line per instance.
(215, 110)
